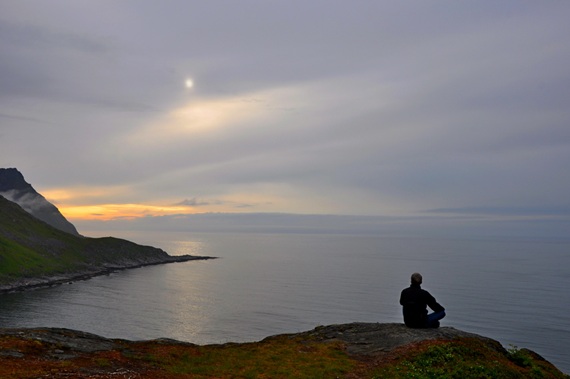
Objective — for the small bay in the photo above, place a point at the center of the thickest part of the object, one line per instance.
(514, 291)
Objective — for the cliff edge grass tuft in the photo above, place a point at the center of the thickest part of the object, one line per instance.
(466, 359)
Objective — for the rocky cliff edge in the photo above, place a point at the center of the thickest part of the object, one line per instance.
(356, 350)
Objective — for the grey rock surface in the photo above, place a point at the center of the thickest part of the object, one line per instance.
(361, 339)
(62, 343)
(375, 338)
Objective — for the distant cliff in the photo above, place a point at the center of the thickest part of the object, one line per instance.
(14, 188)
(34, 253)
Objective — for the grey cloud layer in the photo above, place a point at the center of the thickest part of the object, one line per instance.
(415, 105)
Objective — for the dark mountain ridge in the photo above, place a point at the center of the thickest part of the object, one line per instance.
(14, 187)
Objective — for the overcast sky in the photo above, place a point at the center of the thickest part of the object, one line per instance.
(390, 108)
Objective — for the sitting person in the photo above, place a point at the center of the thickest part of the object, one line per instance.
(415, 301)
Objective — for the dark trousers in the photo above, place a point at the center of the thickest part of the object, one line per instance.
(433, 319)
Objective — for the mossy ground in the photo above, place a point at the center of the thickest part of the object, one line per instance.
(464, 359)
(276, 357)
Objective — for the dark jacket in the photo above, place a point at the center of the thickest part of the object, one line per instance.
(415, 301)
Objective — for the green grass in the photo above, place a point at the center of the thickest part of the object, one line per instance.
(468, 359)
(17, 260)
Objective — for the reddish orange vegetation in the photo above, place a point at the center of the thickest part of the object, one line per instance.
(23, 358)
(284, 356)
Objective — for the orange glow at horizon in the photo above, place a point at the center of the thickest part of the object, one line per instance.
(106, 212)
(103, 203)
(81, 203)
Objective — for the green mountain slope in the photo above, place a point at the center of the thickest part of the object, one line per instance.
(33, 252)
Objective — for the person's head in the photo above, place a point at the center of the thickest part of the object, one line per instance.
(416, 278)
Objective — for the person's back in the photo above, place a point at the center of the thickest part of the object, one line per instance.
(415, 301)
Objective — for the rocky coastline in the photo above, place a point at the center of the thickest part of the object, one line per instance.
(31, 283)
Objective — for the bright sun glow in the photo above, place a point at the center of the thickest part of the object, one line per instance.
(189, 83)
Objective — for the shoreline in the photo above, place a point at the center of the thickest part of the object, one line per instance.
(27, 284)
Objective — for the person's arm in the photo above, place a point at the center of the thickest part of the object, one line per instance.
(433, 304)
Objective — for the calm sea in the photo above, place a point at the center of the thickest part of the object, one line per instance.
(265, 284)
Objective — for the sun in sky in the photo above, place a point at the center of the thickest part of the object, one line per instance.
(189, 83)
